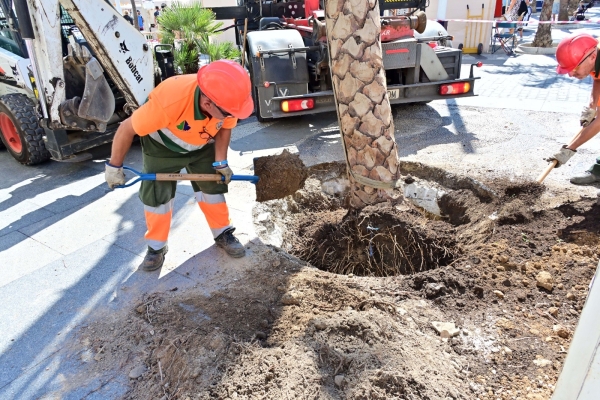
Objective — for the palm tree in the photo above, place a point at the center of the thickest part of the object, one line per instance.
(189, 27)
(543, 35)
(359, 85)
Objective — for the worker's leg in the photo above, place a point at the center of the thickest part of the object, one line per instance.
(591, 176)
(211, 199)
(157, 198)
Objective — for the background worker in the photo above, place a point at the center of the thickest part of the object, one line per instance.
(128, 17)
(140, 20)
(186, 123)
(577, 55)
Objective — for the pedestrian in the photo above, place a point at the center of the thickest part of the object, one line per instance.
(128, 17)
(578, 56)
(525, 11)
(186, 123)
(555, 10)
(140, 20)
(156, 15)
(511, 11)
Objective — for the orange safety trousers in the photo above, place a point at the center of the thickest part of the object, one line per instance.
(158, 219)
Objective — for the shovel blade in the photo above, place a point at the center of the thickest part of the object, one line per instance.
(280, 176)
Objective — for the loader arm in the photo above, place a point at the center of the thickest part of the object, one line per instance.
(112, 46)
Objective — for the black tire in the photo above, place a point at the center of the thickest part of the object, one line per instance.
(20, 131)
(479, 49)
(460, 46)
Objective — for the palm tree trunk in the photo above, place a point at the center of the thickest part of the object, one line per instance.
(543, 35)
(563, 14)
(359, 85)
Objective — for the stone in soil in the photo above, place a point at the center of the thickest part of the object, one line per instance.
(544, 280)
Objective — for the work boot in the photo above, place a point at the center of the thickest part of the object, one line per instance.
(230, 244)
(587, 178)
(154, 259)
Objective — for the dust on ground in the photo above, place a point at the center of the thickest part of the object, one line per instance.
(487, 311)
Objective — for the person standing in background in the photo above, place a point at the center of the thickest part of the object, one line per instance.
(128, 17)
(555, 10)
(140, 20)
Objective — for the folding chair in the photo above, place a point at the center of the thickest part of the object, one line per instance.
(504, 36)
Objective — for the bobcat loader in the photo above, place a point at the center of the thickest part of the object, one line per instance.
(70, 71)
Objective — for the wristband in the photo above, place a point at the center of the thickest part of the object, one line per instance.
(219, 163)
(114, 166)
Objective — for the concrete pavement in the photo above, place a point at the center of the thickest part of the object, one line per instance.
(69, 248)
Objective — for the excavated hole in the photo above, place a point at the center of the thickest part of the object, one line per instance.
(387, 239)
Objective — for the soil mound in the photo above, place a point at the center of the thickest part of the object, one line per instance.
(478, 302)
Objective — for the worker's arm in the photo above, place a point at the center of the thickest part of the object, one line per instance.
(569, 149)
(113, 171)
(585, 134)
(595, 94)
(222, 139)
(121, 143)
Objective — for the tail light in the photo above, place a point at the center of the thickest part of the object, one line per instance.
(297, 105)
(455, 88)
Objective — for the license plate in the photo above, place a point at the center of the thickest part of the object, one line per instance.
(394, 94)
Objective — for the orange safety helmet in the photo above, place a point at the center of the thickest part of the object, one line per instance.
(572, 50)
(227, 84)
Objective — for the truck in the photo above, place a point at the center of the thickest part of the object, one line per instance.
(286, 52)
(72, 70)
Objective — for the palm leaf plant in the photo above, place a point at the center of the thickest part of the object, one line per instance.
(188, 27)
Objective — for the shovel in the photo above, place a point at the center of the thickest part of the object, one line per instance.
(280, 176)
(550, 167)
(185, 177)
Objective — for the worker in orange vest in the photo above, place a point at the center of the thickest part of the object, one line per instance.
(186, 123)
(577, 55)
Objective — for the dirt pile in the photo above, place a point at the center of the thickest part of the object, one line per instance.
(280, 176)
(483, 305)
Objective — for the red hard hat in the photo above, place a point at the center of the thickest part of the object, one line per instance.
(572, 50)
(228, 85)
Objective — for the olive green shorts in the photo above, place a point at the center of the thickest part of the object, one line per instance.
(159, 159)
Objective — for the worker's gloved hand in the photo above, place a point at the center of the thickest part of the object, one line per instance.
(114, 175)
(587, 116)
(562, 156)
(226, 172)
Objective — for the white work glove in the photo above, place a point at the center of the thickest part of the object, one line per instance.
(562, 156)
(587, 116)
(226, 172)
(114, 175)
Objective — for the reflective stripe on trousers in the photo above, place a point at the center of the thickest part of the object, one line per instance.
(215, 211)
(158, 222)
(158, 219)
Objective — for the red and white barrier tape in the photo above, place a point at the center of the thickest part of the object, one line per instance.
(532, 22)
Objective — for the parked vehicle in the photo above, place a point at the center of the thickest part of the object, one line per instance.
(288, 61)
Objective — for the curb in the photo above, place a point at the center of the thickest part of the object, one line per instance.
(526, 48)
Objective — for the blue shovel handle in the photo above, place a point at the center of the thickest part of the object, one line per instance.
(181, 177)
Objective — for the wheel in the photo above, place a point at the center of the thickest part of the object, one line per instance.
(460, 46)
(20, 131)
(479, 49)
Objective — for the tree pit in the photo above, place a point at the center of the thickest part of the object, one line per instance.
(379, 240)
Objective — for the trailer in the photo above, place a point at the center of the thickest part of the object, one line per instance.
(286, 52)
